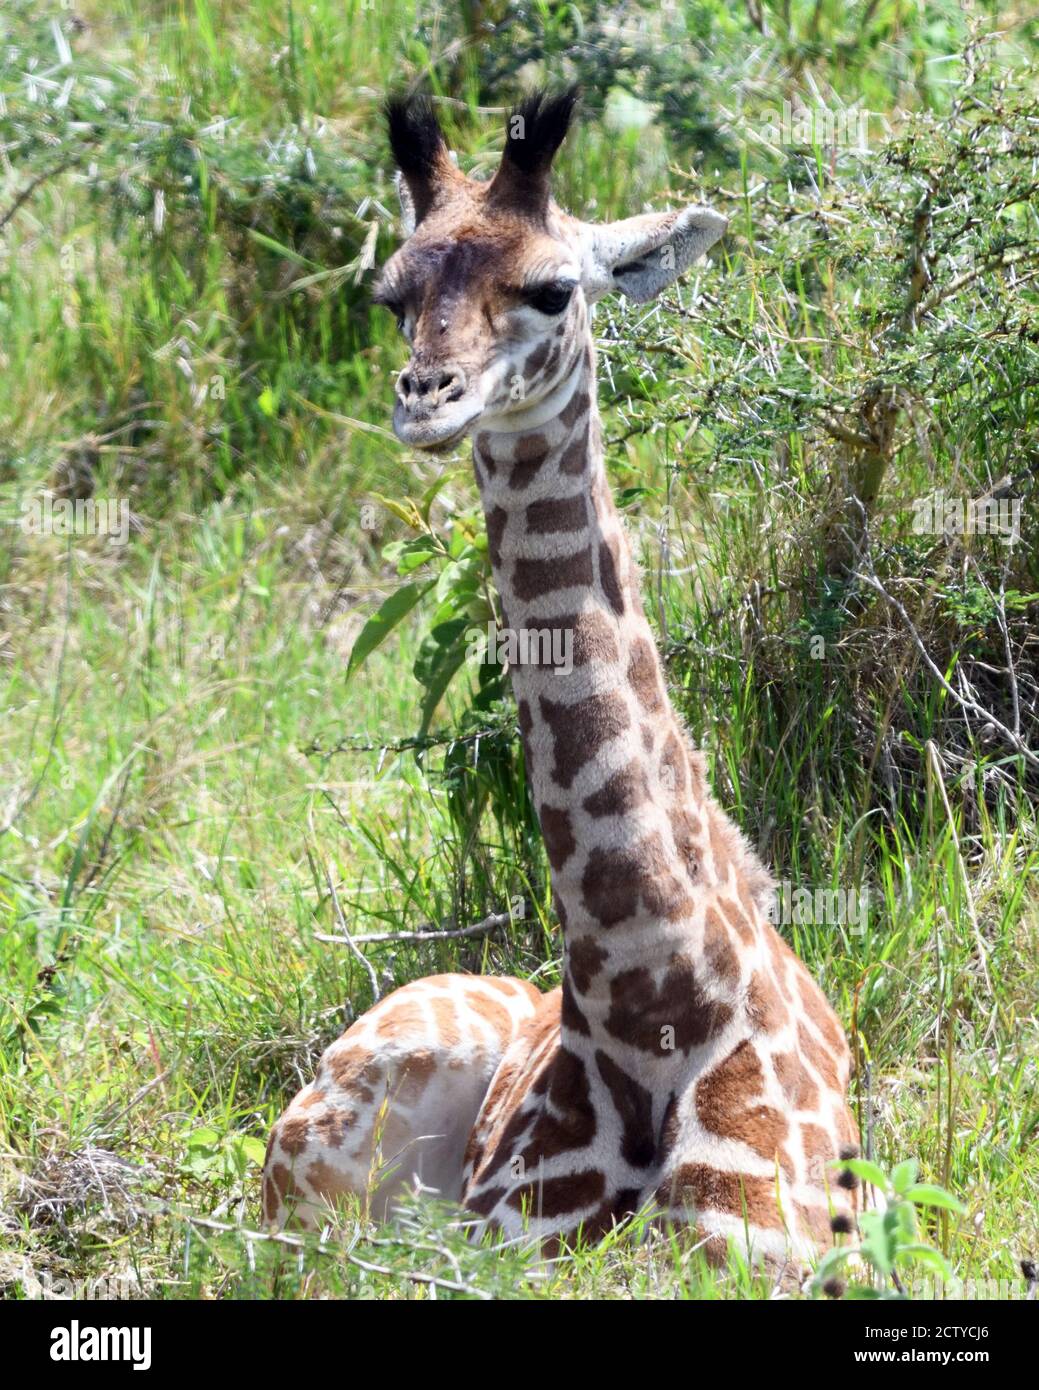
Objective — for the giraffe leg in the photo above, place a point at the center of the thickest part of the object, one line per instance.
(394, 1100)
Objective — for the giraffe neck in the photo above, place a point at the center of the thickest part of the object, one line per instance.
(637, 847)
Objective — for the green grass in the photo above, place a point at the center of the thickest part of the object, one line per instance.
(168, 823)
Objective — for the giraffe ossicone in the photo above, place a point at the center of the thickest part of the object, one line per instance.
(689, 1062)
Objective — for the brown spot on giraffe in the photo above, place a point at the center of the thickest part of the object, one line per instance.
(617, 883)
(483, 454)
(574, 459)
(586, 959)
(817, 1009)
(571, 1123)
(531, 453)
(677, 1013)
(572, 1019)
(580, 731)
(819, 1058)
(634, 1104)
(819, 1148)
(286, 1188)
(447, 1022)
(623, 791)
(764, 1005)
(735, 1194)
(538, 358)
(554, 1197)
(609, 577)
(558, 834)
(800, 1090)
(533, 579)
(332, 1125)
(576, 409)
(728, 1101)
(325, 1179)
(718, 948)
(674, 768)
(685, 832)
(492, 1012)
(734, 913)
(407, 1017)
(555, 514)
(294, 1133)
(497, 519)
(643, 676)
(593, 635)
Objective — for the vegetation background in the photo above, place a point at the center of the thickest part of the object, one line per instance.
(204, 773)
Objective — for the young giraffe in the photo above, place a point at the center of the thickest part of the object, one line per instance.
(689, 1059)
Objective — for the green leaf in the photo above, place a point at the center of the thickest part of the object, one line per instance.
(254, 1150)
(436, 646)
(864, 1169)
(405, 511)
(431, 493)
(926, 1194)
(831, 1263)
(203, 1139)
(905, 1214)
(440, 656)
(627, 495)
(410, 554)
(879, 1239)
(281, 250)
(381, 623)
(268, 402)
(927, 1256)
(903, 1175)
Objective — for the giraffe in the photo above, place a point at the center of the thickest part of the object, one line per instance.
(688, 1062)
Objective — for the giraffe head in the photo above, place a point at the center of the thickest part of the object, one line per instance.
(492, 285)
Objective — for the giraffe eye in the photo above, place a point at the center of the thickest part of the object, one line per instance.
(394, 306)
(551, 298)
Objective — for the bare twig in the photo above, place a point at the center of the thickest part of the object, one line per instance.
(484, 928)
(31, 187)
(340, 1252)
(347, 939)
(360, 744)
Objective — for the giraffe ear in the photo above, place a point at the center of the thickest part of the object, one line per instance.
(641, 256)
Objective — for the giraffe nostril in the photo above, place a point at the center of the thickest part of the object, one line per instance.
(422, 389)
(451, 386)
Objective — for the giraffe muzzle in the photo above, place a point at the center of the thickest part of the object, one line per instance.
(434, 406)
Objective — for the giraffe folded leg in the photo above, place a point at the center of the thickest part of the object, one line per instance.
(394, 1099)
